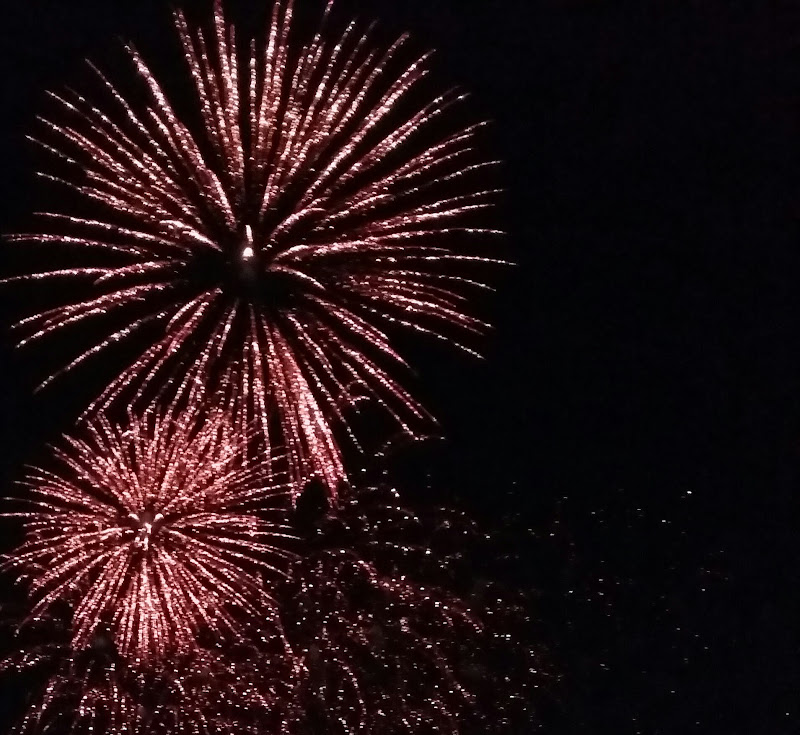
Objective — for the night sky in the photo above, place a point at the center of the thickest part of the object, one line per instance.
(638, 406)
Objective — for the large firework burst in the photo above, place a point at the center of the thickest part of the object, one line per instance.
(265, 253)
(154, 532)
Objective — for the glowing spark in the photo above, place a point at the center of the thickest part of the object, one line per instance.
(269, 250)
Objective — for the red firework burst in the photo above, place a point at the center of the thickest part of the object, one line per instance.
(154, 532)
(266, 252)
(386, 624)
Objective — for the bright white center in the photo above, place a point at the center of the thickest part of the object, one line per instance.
(248, 253)
(145, 526)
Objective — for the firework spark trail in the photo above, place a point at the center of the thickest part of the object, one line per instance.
(158, 531)
(271, 248)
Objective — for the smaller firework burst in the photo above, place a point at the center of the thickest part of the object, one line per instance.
(154, 533)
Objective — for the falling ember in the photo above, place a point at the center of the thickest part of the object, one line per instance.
(225, 689)
(151, 533)
(385, 643)
(266, 252)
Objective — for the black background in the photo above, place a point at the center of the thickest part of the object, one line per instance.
(638, 403)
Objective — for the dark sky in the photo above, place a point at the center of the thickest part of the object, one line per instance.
(638, 400)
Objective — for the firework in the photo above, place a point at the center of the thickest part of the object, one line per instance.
(155, 533)
(394, 631)
(378, 654)
(262, 255)
(387, 623)
(209, 690)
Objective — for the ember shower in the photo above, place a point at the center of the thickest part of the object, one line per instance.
(257, 263)
(325, 198)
